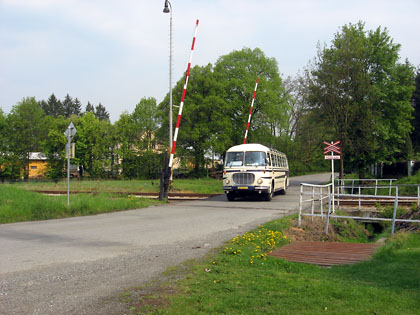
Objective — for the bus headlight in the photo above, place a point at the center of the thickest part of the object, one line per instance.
(227, 181)
(259, 181)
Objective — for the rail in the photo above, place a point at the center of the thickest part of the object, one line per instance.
(320, 197)
(342, 183)
(360, 196)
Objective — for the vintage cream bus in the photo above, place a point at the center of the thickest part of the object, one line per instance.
(254, 169)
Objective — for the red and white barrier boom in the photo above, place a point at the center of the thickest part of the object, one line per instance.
(250, 112)
(182, 99)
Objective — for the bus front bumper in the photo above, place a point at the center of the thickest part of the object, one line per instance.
(246, 188)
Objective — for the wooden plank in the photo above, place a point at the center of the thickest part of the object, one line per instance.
(326, 253)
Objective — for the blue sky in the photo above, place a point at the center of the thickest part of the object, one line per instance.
(116, 52)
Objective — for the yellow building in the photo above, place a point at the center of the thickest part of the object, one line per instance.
(37, 165)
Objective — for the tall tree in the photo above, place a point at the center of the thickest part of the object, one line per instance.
(77, 107)
(415, 100)
(93, 144)
(137, 138)
(101, 113)
(363, 94)
(3, 144)
(53, 146)
(90, 108)
(26, 130)
(238, 71)
(53, 106)
(297, 91)
(144, 117)
(203, 119)
(222, 95)
(68, 106)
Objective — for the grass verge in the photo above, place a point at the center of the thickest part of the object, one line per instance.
(17, 205)
(200, 185)
(242, 279)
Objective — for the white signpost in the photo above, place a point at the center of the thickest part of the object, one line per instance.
(332, 148)
(69, 133)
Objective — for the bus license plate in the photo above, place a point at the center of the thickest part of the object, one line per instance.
(242, 187)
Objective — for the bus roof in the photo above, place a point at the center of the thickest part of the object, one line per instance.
(249, 147)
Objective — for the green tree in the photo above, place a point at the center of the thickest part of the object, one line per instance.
(3, 145)
(363, 94)
(25, 132)
(101, 112)
(53, 106)
(94, 145)
(203, 119)
(137, 141)
(54, 146)
(238, 72)
(415, 100)
(68, 105)
(90, 108)
(218, 101)
(77, 107)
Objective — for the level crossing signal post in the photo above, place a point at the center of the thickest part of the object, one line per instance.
(332, 148)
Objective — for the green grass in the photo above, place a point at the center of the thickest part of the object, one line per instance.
(241, 279)
(17, 205)
(201, 185)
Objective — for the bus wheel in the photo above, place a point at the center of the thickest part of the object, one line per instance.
(230, 196)
(269, 195)
(283, 191)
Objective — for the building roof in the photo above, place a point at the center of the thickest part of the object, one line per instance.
(38, 156)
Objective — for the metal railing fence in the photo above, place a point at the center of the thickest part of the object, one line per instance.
(362, 182)
(319, 197)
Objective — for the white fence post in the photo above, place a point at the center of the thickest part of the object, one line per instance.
(313, 203)
(329, 210)
(300, 205)
(395, 210)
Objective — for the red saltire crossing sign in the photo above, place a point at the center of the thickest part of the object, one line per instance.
(332, 148)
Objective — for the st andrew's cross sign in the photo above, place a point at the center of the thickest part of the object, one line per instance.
(332, 148)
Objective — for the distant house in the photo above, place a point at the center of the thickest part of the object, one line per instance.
(38, 165)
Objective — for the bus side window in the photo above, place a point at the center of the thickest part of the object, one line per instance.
(268, 159)
(277, 161)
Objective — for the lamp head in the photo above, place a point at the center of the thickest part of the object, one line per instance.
(166, 8)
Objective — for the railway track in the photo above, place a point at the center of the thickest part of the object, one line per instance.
(171, 195)
(373, 201)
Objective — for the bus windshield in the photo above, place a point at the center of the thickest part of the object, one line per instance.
(254, 158)
(234, 158)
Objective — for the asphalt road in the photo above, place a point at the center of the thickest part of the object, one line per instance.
(79, 265)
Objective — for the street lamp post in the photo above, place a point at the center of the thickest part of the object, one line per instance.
(168, 9)
(166, 175)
